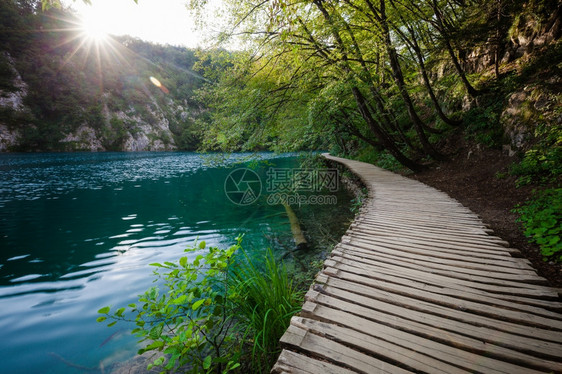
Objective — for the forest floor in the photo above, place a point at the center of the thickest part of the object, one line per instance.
(479, 179)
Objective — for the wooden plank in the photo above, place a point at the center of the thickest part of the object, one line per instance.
(452, 245)
(298, 338)
(387, 226)
(393, 284)
(389, 257)
(409, 231)
(421, 224)
(481, 329)
(462, 289)
(361, 244)
(497, 285)
(458, 267)
(320, 305)
(294, 363)
(439, 216)
(351, 287)
(381, 347)
(371, 215)
(504, 264)
(397, 243)
(425, 350)
(486, 252)
(429, 256)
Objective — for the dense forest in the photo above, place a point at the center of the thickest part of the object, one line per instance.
(60, 90)
(399, 83)
(407, 85)
(388, 79)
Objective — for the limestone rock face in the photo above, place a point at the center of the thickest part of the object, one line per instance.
(11, 102)
(13, 99)
(8, 138)
(536, 104)
(83, 139)
(140, 128)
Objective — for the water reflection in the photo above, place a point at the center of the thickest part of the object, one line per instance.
(78, 231)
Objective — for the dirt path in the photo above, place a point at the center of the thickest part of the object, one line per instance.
(480, 180)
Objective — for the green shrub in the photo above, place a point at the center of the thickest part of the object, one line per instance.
(190, 324)
(543, 162)
(482, 122)
(217, 311)
(542, 220)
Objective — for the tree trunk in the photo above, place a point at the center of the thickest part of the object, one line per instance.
(389, 145)
(399, 80)
(446, 40)
(417, 51)
(362, 104)
(498, 39)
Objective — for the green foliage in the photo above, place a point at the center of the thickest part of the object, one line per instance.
(265, 300)
(380, 158)
(191, 325)
(542, 220)
(543, 162)
(357, 202)
(483, 122)
(212, 307)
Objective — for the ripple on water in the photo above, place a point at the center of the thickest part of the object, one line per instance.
(27, 278)
(34, 176)
(17, 257)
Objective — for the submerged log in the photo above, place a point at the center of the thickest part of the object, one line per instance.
(298, 236)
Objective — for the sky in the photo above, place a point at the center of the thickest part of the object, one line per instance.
(159, 21)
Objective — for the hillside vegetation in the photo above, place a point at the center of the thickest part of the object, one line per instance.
(60, 90)
(399, 83)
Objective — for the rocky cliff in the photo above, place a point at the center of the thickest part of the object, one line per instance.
(60, 92)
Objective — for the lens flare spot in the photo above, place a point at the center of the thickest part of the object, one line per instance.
(158, 84)
(155, 82)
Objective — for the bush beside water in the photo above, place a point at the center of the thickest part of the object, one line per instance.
(221, 312)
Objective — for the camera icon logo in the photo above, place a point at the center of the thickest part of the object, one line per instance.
(242, 186)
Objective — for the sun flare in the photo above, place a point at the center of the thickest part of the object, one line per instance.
(93, 28)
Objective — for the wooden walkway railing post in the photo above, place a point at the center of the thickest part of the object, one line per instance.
(419, 285)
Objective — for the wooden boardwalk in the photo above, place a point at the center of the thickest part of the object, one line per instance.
(419, 285)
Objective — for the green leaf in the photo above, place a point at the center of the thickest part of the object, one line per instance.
(180, 300)
(154, 345)
(156, 331)
(111, 324)
(207, 362)
(197, 304)
(120, 312)
(101, 319)
(104, 310)
(183, 261)
(202, 245)
(156, 264)
(235, 366)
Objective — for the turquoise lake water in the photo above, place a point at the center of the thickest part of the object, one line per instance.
(78, 232)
